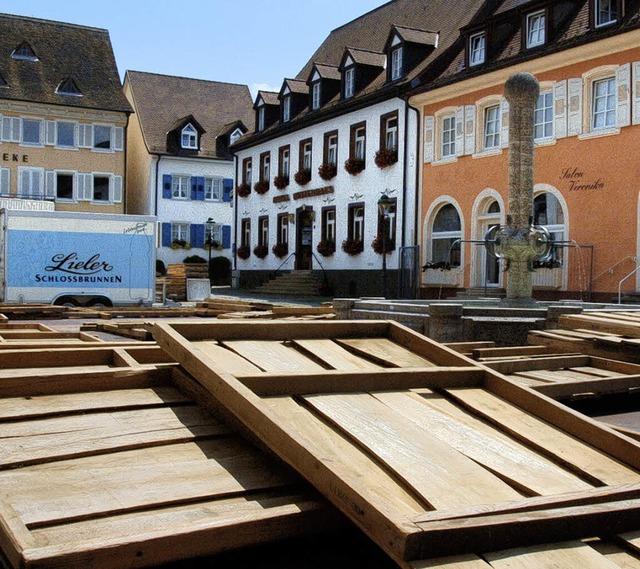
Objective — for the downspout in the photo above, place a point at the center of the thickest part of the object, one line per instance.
(235, 214)
(417, 173)
(155, 195)
(124, 178)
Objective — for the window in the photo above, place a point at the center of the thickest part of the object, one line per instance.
(331, 148)
(261, 121)
(329, 224)
(180, 187)
(315, 95)
(245, 232)
(284, 161)
(180, 232)
(358, 142)
(606, 12)
(32, 132)
(66, 134)
(263, 231)
(543, 116)
(265, 166)
(396, 63)
(477, 48)
(349, 82)
(30, 182)
(215, 233)
(305, 154)
(603, 103)
(235, 135)
(64, 186)
(389, 131)
(283, 228)
(102, 137)
(213, 189)
(491, 138)
(446, 230)
(101, 188)
(547, 211)
(246, 171)
(24, 52)
(286, 109)
(355, 230)
(68, 87)
(189, 138)
(536, 29)
(388, 224)
(449, 136)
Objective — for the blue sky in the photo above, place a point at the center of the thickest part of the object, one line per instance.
(253, 42)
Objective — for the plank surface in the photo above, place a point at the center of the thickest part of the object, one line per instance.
(335, 356)
(227, 359)
(385, 352)
(273, 355)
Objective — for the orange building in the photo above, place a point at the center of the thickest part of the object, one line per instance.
(586, 56)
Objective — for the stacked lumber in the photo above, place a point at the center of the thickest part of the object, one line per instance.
(428, 452)
(9, 311)
(177, 275)
(129, 329)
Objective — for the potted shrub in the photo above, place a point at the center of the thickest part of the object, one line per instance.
(386, 157)
(180, 244)
(377, 244)
(326, 248)
(243, 190)
(260, 251)
(243, 252)
(261, 186)
(354, 165)
(281, 182)
(327, 171)
(303, 176)
(352, 246)
(280, 249)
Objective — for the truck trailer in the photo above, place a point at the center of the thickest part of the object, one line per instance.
(77, 259)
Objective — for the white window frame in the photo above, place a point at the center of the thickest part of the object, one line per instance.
(40, 123)
(263, 231)
(360, 141)
(396, 63)
(448, 136)
(306, 156)
(286, 108)
(491, 127)
(316, 91)
(35, 187)
(610, 100)
(285, 167)
(541, 120)
(605, 13)
(349, 82)
(189, 137)
(213, 188)
(74, 185)
(357, 230)
(111, 138)
(215, 233)
(235, 135)
(266, 167)
(536, 29)
(332, 149)
(330, 225)
(180, 231)
(444, 235)
(109, 177)
(180, 186)
(74, 145)
(283, 229)
(477, 48)
(261, 118)
(391, 133)
(248, 172)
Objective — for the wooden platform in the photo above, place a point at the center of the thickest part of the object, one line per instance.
(427, 451)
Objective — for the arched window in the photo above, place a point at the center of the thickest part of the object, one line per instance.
(547, 211)
(446, 229)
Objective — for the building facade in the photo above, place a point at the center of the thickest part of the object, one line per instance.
(63, 116)
(179, 166)
(586, 57)
(330, 144)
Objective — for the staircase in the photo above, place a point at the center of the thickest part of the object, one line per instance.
(480, 292)
(295, 283)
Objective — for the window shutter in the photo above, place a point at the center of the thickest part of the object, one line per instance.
(623, 84)
(166, 235)
(574, 124)
(460, 131)
(199, 184)
(5, 181)
(23, 184)
(50, 184)
(117, 189)
(37, 183)
(504, 123)
(118, 138)
(79, 187)
(166, 186)
(15, 129)
(636, 92)
(428, 139)
(227, 187)
(85, 187)
(470, 129)
(50, 136)
(197, 235)
(85, 135)
(226, 237)
(194, 187)
(560, 109)
(11, 129)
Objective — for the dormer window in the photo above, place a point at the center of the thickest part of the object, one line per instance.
(477, 48)
(189, 138)
(3, 83)
(349, 82)
(286, 109)
(536, 29)
(315, 96)
(261, 113)
(235, 135)
(606, 12)
(396, 63)
(69, 88)
(24, 52)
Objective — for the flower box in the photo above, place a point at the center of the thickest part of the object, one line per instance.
(377, 245)
(281, 182)
(280, 249)
(261, 251)
(352, 247)
(386, 157)
(327, 171)
(326, 248)
(243, 190)
(354, 166)
(302, 177)
(243, 252)
(261, 186)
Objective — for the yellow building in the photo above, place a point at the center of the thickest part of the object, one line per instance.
(63, 116)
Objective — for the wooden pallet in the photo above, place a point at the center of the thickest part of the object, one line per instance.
(428, 452)
(122, 468)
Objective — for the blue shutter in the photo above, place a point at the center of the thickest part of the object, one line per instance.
(197, 235)
(194, 187)
(166, 186)
(226, 236)
(166, 234)
(227, 187)
(200, 188)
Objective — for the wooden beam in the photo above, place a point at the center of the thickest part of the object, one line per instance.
(595, 386)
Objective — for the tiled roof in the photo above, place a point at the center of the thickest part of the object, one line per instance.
(328, 71)
(160, 100)
(412, 35)
(63, 51)
(296, 86)
(269, 97)
(364, 57)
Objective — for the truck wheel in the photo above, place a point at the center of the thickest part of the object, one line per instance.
(66, 301)
(100, 303)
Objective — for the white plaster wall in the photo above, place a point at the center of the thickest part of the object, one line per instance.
(366, 187)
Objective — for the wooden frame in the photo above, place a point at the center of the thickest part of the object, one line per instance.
(390, 446)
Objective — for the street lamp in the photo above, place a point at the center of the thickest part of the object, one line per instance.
(384, 204)
(209, 225)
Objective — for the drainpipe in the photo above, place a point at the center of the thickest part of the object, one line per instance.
(124, 177)
(235, 213)
(417, 174)
(155, 196)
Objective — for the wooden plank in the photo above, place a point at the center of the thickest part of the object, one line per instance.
(511, 461)
(614, 552)
(15, 538)
(597, 385)
(509, 351)
(548, 362)
(432, 468)
(586, 460)
(599, 323)
(227, 360)
(468, 561)
(335, 356)
(385, 352)
(273, 356)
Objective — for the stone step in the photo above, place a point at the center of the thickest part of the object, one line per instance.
(414, 321)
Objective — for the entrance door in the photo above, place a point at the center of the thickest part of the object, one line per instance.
(304, 239)
(486, 267)
(491, 264)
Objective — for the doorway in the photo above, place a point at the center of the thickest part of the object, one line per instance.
(304, 238)
(488, 274)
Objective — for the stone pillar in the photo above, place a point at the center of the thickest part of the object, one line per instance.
(445, 322)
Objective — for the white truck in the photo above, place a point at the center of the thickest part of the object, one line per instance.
(77, 259)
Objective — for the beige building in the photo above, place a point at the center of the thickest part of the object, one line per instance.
(63, 116)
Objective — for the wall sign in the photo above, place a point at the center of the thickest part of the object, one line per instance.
(311, 193)
(8, 157)
(576, 180)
